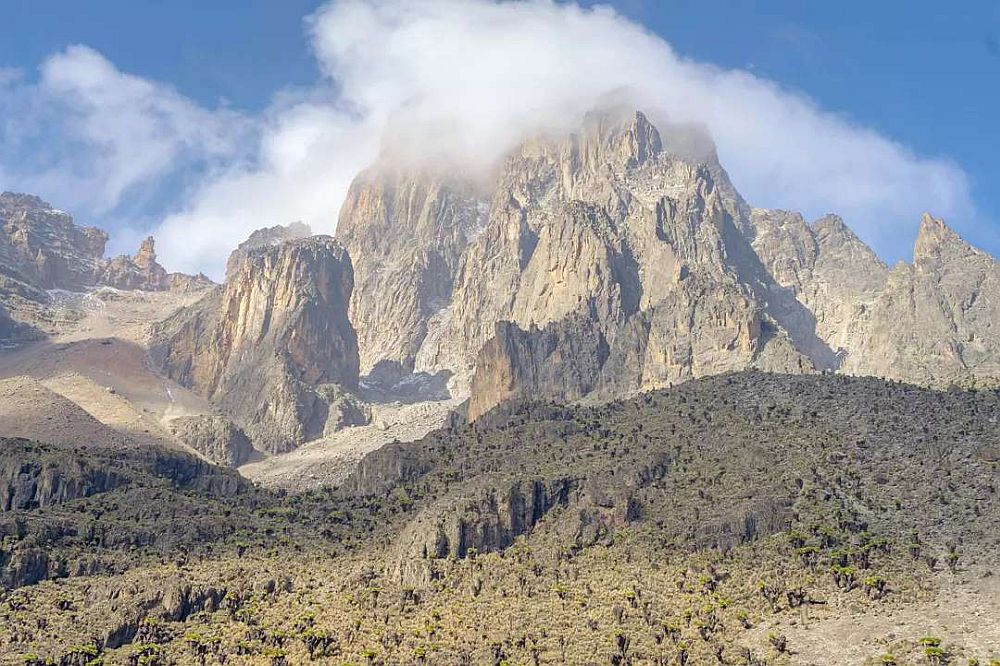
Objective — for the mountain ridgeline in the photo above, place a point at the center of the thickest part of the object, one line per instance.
(598, 265)
(619, 260)
(597, 409)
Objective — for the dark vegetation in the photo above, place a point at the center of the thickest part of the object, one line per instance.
(665, 529)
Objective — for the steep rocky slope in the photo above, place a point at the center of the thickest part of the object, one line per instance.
(935, 321)
(41, 248)
(618, 260)
(635, 241)
(405, 233)
(215, 437)
(753, 451)
(752, 518)
(266, 345)
(826, 266)
(45, 258)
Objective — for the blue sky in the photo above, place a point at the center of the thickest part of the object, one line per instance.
(924, 75)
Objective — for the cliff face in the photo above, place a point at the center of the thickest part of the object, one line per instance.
(262, 346)
(827, 268)
(405, 233)
(267, 237)
(41, 248)
(929, 322)
(215, 437)
(138, 272)
(934, 323)
(619, 260)
(622, 263)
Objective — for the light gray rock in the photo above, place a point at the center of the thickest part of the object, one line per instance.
(935, 322)
(619, 259)
(407, 232)
(260, 346)
(215, 437)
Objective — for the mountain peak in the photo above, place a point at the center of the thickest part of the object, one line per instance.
(626, 138)
(936, 239)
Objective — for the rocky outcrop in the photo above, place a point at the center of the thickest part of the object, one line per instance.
(934, 322)
(629, 256)
(485, 519)
(619, 259)
(35, 475)
(700, 330)
(215, 437)
(263, 345)
(41, 247)
(141, 271)
(827, 268)
(929, 322)
(138, 272)
(37, 479)
(405, 233)
(42, 250)
(7, 325)
(267, 237)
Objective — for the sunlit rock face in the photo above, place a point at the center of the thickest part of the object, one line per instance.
(263, 346)
(621, 259)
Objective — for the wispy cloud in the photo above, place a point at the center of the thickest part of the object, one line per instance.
(91, 135)
(462, 80)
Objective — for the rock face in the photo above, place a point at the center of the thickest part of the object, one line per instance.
(41, 248)
(405, 234)
(36, 475)
(934, 322)
(825, 266)
(141, 271)
(7, 325)
(627, 255)
(40, 476)
(138, 272)
(266, 237)
(929, 322)
(264, 345)
(619, 260)
(215, 437)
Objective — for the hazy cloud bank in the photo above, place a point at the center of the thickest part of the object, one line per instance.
(454, 80)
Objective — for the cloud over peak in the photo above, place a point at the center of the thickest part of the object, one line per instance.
(458, 81)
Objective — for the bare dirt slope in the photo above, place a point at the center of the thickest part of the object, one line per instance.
(91, 379)
(30, 410)
(102, 338)
(963, 611)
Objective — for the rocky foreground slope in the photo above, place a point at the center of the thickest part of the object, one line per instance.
(741, 517)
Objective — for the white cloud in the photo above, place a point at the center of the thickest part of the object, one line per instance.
(90, 135)
(309, 153)
(471, 77)
(465, 80)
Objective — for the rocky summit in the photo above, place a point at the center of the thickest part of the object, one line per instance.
(591, 407)
(619, 259)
